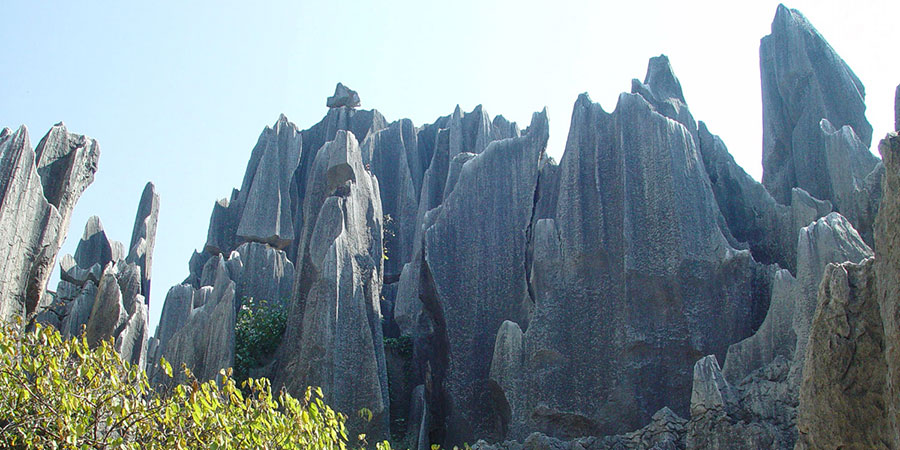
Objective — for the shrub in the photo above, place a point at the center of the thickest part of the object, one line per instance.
(57, 393)
(257, 334)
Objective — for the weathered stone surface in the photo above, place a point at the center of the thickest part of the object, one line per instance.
(262, 210)
(664, 432)
(38, 191)
(636, 241)
(897, 109)
(333, 338)
(765, 370)
(803, 82)
(887, 266)
(785, 330)
(751, 214)
(470, 133)
(713, 408)
(94, 247)
(842, 396)
(262, 272)
(360, 122)
(852, 175)
(387, 154)
(267, 214)
(176, 311)
(143, 236)
(108, 314)
(343, 96)
(205, 343)
(475, 253)
(101, 288)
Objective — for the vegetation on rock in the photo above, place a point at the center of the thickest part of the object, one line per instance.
(258, 331)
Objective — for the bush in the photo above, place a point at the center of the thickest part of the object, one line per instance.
(257, 334)
(57, 393)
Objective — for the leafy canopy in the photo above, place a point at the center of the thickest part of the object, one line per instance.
(58, 393)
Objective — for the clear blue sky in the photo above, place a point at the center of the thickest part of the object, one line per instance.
(178, 92)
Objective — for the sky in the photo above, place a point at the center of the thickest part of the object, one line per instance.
(178, 92)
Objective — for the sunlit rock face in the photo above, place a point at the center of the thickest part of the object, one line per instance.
(103, 290)
(38, 191)
(334, 335)
(633, 279)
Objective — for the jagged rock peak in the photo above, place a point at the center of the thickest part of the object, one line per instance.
(143, 236)
(38, 191)
(662, 79)
(343, 96)
(803, 81)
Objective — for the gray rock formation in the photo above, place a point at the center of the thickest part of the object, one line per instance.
(849, 392)
(440, 143)
(897, 109)
(842, 398)
(474, 254)
(714, 404)
(664, 432)
(785, 330)
(803, 82)
(333, 338)
(102, 290)
(633, 278)
(392, 156)
(751, 214)
(205, 342)
(343, 96)
(262, 210)
(143, 236)
(854, 175)
(38, 191)
(764, 371)
(887, 266)
(195, 327)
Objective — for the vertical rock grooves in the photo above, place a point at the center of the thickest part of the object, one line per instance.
(432, 357)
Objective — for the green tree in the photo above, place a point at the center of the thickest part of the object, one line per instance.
(60, 393)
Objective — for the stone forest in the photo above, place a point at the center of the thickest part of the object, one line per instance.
(465, 288)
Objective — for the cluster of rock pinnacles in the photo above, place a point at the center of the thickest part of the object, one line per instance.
(464, 287)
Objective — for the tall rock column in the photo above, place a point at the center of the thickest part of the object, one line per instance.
(473, 275)
(38, 191)
(333, 337)
(803, 83)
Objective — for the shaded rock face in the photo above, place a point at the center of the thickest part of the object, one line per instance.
(102, 291)
(343, 96)
(887, 266)
(803, 82)
(38, 191)
(629, 278)
(762, 374)
(205, 341)
(392, 156)
(750, 213)
(446, 145)
(334, 337)
(475, 253)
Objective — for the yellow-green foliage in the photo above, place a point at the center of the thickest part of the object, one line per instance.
(57, 393)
